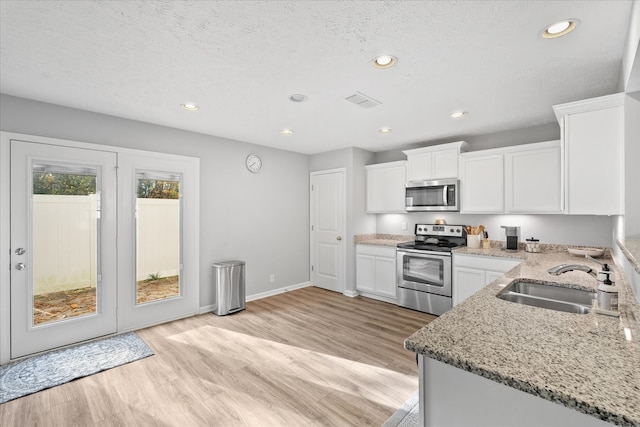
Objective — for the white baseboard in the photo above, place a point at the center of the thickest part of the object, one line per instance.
(351, 294)
(379, 297)
(277, 291)
(253, 297)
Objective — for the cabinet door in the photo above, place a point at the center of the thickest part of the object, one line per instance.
(490, 276)
(466, 282)
(395, 180)
(482, 184)
(594, 144)
(365, 272)
(419, 167)
(445, 164)
(376, 190)
(386, 276)
(533, 181)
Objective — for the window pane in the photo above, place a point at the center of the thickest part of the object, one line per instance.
(65, 222)
(158, 237)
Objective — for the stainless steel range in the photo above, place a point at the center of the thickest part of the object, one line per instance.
(424, 267)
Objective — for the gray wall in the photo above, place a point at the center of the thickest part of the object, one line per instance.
(547, 132)
(262, 219)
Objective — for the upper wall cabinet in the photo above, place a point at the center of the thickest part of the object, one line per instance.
(520, 179)
(593, 140)
(386, 187)
(533, 179)
(435, 162)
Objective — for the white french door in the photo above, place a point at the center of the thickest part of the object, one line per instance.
(63, 246)
(327, 229)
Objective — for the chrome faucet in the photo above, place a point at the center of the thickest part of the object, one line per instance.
(563, 268)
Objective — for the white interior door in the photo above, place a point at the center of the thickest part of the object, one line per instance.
(327, 229)
(63, 246)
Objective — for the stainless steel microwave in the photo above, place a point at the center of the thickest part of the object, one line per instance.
(437, 195)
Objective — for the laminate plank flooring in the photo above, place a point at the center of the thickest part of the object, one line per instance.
(309, 357)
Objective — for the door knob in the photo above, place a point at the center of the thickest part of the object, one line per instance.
(20, 266)
(339, 238)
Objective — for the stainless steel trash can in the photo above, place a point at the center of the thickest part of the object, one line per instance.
(228, 277)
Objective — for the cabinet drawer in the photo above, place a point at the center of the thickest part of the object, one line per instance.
(376, 250)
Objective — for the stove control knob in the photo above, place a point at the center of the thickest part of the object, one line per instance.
(451, 231)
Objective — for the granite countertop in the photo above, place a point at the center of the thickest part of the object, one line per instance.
(383, 239)
(582, 361)
(630, 246)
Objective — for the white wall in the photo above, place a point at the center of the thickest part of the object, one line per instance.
(262, 219)
(583, 230)
(632, 160)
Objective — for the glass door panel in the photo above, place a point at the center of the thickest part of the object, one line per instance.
(65, 226)
(158, 236)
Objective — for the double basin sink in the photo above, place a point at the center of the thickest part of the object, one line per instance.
(548, 295)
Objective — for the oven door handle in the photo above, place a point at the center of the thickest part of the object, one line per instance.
(422, 252)
(444, 195)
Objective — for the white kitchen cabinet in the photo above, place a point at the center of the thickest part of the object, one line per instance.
(519, 179)
(592, 134)
(473, 272)
(434, 162)
(376, 272)
(386, 187)
(533, 178)
(482, 182)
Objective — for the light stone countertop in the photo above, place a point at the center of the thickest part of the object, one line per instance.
(383, 239)
(582, 361)
(630, 246)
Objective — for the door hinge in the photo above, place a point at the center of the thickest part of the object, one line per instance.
(312, 227)
(312, 268)
(311, 187)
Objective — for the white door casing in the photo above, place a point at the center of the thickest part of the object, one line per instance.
(328, 229)
(27, 338)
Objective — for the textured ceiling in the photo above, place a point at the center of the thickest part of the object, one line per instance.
(240, 61)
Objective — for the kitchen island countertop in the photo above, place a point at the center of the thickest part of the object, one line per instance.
(588, 362)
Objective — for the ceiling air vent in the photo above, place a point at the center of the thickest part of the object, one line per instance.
(362, 100)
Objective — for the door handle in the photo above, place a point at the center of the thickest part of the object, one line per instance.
(20, 251)
(339, 238)
(20, 266)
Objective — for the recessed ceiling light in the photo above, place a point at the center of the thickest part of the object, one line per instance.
(384, 131)
(298, 97)
(189, 106)
(458, 114)
(560, 28)
(384, 61)
(286, 132)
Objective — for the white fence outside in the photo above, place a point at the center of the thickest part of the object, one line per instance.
(64, 241)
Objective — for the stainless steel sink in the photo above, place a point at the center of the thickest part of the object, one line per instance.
(548, 295)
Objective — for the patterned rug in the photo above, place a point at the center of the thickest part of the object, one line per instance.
(57, 367)
(407, 416)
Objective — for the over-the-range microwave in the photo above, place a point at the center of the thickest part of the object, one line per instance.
(437, 195)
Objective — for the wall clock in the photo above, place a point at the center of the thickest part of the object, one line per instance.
(253, 163)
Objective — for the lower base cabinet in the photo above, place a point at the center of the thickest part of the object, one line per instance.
(376, 272)
(473, 272)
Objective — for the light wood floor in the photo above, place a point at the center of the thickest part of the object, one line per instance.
(305, 358)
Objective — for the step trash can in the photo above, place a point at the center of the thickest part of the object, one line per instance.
(228, 277)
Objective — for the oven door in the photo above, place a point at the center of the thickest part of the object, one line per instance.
(424, 271)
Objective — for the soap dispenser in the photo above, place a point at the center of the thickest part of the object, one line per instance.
(607, 294)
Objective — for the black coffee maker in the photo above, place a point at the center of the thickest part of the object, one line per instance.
(511, 237)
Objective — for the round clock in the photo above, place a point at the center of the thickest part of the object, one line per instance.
(254, 163)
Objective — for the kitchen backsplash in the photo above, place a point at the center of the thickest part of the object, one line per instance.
(578, 230)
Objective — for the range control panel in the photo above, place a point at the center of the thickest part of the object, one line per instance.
(440, 230)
